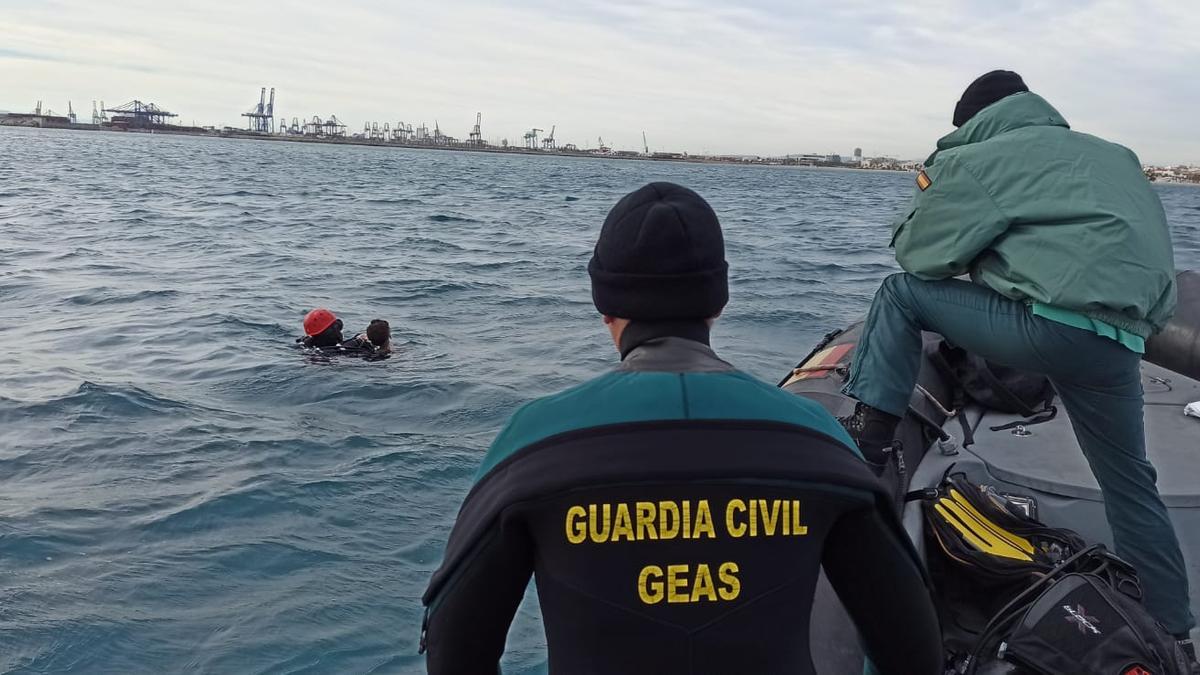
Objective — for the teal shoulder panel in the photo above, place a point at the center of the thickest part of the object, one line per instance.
(740, 396)
(621, 397)
(609, 399)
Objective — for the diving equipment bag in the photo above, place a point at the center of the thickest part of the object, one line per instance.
(991, 537)
(1084, 618)
(1018, 596)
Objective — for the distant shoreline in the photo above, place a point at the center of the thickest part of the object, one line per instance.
(494, 150)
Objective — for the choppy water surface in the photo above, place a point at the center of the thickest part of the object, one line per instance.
(181, 490)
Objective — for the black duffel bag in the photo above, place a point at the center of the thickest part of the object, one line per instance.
(993, 386)
(1085, 618)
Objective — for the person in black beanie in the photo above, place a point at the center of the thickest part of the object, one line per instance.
(986, 90)
(659, 265)
(639, 501)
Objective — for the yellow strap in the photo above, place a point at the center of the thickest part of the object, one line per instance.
(1013, 539)
(979, 536)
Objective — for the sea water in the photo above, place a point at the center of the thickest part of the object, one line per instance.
(182, 490)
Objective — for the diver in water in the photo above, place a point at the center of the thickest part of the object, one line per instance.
(674, 513)
(321, 329)
(377, 338)
(1070, 257)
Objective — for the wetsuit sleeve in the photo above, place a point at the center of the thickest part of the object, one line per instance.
(953, 220)
(469, 625)
(885, 594)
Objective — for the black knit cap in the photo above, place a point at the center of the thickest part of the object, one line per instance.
(986, 90)
(660, 256)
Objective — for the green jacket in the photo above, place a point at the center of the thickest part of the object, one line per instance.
(1040, 213)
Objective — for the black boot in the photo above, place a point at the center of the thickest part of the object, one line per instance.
(874, 431)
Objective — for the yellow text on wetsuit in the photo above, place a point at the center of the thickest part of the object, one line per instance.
(682, 583)
(664, 520)
(641, 521)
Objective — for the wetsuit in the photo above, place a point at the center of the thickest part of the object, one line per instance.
(358, 343)
(675, 515)
(330, 337)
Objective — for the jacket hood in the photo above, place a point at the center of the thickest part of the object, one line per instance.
(1021, 110)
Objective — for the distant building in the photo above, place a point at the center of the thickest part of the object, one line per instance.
(1176, 174)
(806, 158)
(34, 120)
(887, 163)
(858, 156)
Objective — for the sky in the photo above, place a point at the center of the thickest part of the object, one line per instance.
(702, 76)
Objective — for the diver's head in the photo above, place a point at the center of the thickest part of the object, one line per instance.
(986, 90)
(379, 333)
(660, 257)
(323, 328)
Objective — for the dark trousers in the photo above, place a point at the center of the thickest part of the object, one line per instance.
(1098, 380)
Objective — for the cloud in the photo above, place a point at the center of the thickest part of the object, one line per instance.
(698, 75)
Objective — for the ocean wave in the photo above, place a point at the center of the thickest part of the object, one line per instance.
(268, 559)
(243, 193)
(214, 512)
(109, 296)
(394, 200)
(213, 500)
(116, 402)
(445, 218)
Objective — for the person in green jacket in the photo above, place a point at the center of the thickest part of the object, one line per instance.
(1071, 269)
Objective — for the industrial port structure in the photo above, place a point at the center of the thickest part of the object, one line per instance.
(261, 123)
(407, 134)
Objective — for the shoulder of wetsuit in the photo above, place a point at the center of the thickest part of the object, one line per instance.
(623, 397)
(357, 344)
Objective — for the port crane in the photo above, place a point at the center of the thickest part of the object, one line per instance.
(262, 116)
(142, 114)
(331, 127)
(548, 142)
(476, 136)
(531, 139)
(334, 127)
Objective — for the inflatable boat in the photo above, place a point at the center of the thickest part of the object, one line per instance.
(1038, 465)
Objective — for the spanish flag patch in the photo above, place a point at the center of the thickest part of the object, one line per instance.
(923, 181)
(823, 363)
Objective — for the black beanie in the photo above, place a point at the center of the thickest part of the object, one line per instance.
(986, 90)
(660, 256)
